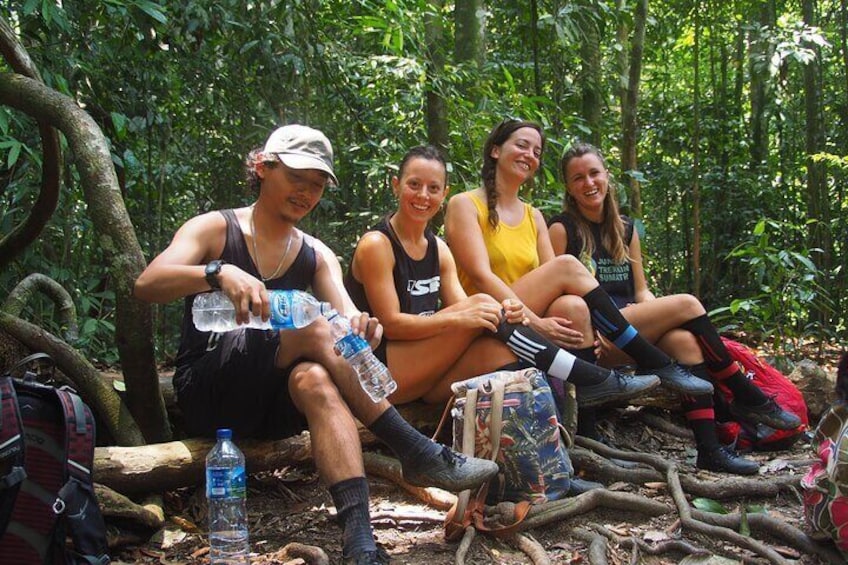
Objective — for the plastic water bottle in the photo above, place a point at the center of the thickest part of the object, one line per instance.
(226, 493)
(214, 312)
(374, 377)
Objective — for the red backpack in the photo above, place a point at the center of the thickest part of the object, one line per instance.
(773, 384)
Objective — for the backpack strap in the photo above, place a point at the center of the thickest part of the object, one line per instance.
(471, 511)
(76, 500)
(11, 451)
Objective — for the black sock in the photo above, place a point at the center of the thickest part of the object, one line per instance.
(407, 443)
(351, 499)
(701, 417)
(530, 346)
(700, 413)
(608, 320)
(587, 422)
(721, 366)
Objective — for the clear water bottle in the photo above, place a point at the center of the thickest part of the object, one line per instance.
(226, 493)
(374, 377)
(214, 312)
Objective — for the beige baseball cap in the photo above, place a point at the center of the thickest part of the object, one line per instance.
(302, 147)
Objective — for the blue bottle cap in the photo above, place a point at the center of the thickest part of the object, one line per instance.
(225, 433)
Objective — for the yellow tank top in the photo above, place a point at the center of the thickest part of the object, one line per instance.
(512, 249)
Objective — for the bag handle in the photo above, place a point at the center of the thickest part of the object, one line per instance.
(31, 358)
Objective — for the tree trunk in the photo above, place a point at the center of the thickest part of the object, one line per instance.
(469, 18)
(629, 106)
(589, 80)
(116, 237)
(19, 237)
(165, 466)
(437, 118)
(696, 157)
(818, 208)
(761, 51)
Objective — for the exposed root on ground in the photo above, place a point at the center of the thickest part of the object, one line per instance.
(532, 548)
(594, 455)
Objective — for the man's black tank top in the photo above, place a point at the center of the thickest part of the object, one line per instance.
(417, 283)
(194, 343)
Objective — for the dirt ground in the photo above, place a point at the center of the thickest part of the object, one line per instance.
(290, 505)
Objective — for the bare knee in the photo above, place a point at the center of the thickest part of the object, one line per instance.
(571, 307)
(573, 275)
(311, 387)
(689, 305)
(683, 346)
(482, 298)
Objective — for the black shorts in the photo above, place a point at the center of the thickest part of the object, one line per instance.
(236, 385)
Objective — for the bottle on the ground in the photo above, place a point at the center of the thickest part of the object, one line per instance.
(214, 312)
(373, 375)
(226, 496)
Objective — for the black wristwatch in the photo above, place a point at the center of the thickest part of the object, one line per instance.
(213, 269)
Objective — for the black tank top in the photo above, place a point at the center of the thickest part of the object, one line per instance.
(615, 278)
(417, 283)
(194, 343)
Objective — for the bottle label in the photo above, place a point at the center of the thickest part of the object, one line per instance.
(281, 310)
(350, 345)
(226, 482)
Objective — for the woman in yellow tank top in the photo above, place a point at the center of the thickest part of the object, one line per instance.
(502, 248)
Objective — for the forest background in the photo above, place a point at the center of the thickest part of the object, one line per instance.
(725, 124)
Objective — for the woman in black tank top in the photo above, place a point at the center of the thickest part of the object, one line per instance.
(591, 226)
(405, 275)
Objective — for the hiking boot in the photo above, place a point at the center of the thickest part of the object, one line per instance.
(768, 413)
(616, 387)
(579, 486)
(376, 557)
(676, 378)
(725, 460)
(450, 471)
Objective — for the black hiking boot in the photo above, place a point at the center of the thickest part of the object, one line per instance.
(616, 387)
(725, 460)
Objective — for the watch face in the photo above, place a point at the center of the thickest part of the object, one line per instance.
(213, 268)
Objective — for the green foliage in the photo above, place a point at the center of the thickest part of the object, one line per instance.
(184, 90)
(786, 283)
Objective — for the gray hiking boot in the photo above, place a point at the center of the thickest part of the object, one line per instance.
(676, 378)
(768, 413)
(450, 471)
(615, 388)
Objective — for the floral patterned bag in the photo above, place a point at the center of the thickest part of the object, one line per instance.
(509, 417)
(826, 483)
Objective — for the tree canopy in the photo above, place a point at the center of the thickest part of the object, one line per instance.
(737, 112)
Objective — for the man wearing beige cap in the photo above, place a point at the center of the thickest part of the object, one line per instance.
(274, 384)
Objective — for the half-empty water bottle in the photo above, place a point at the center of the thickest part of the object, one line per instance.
(374, 377)
(214, 312)
(226, 496)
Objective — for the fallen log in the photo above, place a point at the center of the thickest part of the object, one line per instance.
(165, 466)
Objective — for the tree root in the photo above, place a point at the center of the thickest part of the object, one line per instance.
(117, 506)
(597, 553)
(532, 548)
(465, 545)
(596, 464)
(310, 554)
(659, 548)
(762, 523)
